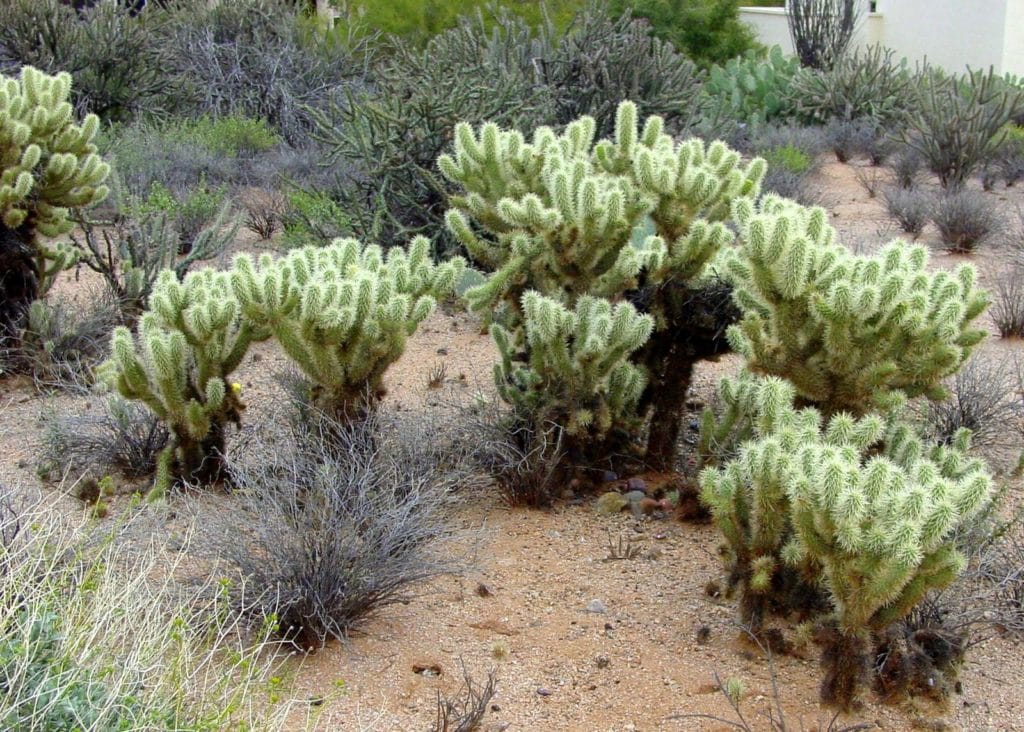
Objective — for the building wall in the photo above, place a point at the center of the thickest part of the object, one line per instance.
(949, 33)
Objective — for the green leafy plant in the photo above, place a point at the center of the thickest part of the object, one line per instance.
(708, 31)
(313, 218)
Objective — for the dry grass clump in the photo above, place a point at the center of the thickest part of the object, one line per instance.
(332, 522)
(97, 635)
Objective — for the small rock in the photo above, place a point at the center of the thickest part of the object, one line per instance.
(483, 590)
(609, 476)
(442, 351)
(543, 692)
(602, 661)
(634, 496)
(596, 606)
(694, 425)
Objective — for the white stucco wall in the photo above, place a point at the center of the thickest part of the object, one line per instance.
(1013, 45)
(949, 33)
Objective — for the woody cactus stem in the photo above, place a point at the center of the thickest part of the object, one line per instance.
(48, 164)
(343, 312)
(189, 342)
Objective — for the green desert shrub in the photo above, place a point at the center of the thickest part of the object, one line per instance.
(708, 31)
(597, 291)
(189, 212)
(868, 83)
(257, 59)
(313, 218)
(48, 165)
(514, 75)
(957, 122)
(420, 20)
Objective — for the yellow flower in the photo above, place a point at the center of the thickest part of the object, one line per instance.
(236, 387)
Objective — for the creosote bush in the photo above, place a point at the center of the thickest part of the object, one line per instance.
(333, 522)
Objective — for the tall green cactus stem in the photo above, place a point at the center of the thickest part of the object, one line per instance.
(860, 505)
(638, 216)
(852, 333)
(48, 164)
(578, 374)
(189, 341)
(343, 312)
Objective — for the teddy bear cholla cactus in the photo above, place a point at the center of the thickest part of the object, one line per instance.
(578, 374)
(48, 164)
(858, 507)
(343, 312)
(565, 216)
(850, 332)
(189, 342)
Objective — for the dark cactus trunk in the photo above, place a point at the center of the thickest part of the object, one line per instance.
(19, 281)
(693, 330)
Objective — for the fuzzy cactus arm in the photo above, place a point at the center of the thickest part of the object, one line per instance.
(851, 332)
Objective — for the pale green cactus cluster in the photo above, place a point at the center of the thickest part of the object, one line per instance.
(821, 490)
(850, 332)
(343, 312)
(579, 374)
(189, 342)
(567, 218)
(47, 163)
(857, 509)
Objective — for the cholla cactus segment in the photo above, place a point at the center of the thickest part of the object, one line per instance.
(557, 214)
(48, 163)
(343, 312)
(189, 341)
(861, 504)
(578, 371)
(850, 332)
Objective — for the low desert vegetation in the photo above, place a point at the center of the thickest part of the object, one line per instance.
(616, 193)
